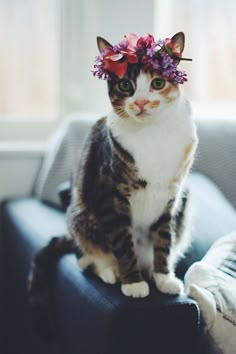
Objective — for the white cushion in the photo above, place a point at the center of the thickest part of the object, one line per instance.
(212, 283)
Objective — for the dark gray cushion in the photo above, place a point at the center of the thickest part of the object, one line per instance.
(216, 153)
(213, 216)
(90, 316)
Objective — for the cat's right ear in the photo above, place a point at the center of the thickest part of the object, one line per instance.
(102, 44)
(178, 39)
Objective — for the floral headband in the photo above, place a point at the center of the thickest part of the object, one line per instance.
(162, 56)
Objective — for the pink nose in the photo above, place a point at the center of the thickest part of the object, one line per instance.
(141, 103)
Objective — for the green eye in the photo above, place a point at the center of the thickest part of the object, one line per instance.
(125, 85)
(158, 84)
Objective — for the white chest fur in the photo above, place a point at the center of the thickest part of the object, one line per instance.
(158, 147)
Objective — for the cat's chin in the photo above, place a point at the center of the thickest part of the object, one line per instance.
(141, 118)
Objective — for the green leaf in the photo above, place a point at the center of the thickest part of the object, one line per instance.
(169, 50)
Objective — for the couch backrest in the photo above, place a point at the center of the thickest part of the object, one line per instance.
(216, 156)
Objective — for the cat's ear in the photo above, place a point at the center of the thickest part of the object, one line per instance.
(178, 39)
(102, 44)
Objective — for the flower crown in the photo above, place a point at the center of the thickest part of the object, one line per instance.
(162, 56)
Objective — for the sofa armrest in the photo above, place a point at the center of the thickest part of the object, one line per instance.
(216, 156)
(103, 320)
(90, 317)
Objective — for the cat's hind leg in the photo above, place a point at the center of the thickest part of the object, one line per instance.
(140, 289)
(105, 266)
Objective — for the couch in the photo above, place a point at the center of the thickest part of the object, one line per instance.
(88, 316)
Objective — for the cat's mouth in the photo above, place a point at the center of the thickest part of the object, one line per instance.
(141, 117)
(142, 114)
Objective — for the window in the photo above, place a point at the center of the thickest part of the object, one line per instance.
(210, 28)
(29, 65)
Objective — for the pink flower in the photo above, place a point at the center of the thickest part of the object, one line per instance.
(147, 40)
(118, 62)
(132, 40)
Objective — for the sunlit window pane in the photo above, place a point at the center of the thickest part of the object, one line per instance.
(29, 58)
(210, 28)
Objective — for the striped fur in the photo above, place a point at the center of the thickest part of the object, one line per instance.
(100, 215)
(129, 206)
(106, 178)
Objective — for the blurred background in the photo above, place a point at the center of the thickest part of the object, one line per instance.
(47, 48)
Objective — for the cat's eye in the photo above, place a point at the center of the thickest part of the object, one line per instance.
(125, 85)
(158, 83)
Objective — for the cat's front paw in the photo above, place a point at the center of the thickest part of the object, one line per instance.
(168, 283)
(140, 289)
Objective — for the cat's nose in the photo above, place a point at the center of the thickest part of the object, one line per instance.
(141, 103)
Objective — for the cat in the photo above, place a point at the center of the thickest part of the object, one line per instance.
(128, 214)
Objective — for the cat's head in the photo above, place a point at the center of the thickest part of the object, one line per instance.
(142, 74)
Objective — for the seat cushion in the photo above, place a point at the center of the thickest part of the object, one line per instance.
(212, 216)
(91, 317)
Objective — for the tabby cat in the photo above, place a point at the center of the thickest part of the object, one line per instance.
(129, 207)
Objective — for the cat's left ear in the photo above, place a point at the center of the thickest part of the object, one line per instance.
(102, 44)
(178, 39)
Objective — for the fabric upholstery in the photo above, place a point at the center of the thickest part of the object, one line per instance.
(26, 226)
(212, 216)
(216, 154)
(91, 317)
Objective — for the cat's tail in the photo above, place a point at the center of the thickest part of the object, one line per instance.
(39, 282)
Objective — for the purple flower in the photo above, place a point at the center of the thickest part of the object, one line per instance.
(100, 70)
(158, 56)
(122, 46)
(166, 62)
(151, 51)
(160, 43)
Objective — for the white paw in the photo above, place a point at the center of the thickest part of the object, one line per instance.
(168, 283)
(140, 289)
(108, 275)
